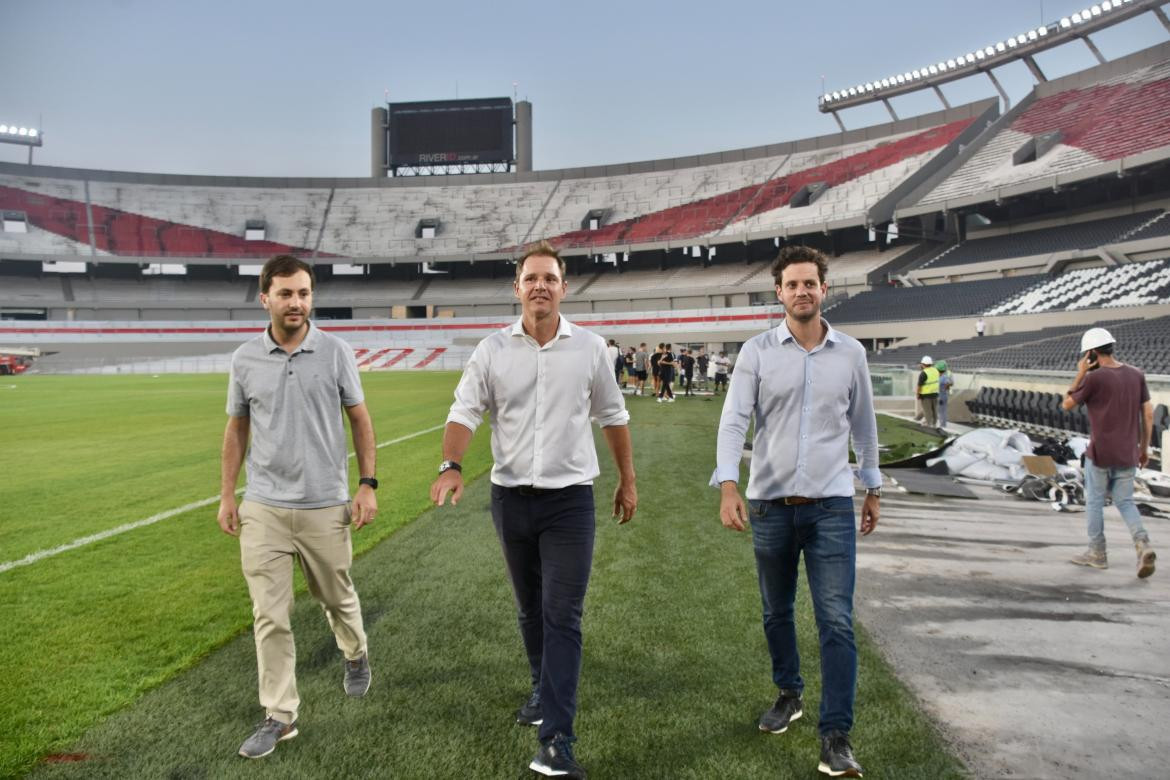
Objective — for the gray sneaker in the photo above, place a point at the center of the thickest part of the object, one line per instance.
(1145, 559)
(263, 740)
(788, 707)
(357, 676)
(1091, 557)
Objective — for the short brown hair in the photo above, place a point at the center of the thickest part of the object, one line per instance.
(790, 255)
(542, 249)
(284, 265)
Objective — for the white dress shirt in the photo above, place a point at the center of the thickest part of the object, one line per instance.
(540, 401)
(806, 405)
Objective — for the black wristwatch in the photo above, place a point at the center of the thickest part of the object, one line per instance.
(449, 465)
(371, 481)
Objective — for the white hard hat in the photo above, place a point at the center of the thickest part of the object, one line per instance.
(1096, 337)
(926, 361)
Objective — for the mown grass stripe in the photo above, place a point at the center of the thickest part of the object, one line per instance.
(32, 558)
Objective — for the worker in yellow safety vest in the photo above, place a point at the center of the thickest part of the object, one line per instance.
(928, 390)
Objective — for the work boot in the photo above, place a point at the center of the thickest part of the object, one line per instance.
(1091, 557)
(1145, 558)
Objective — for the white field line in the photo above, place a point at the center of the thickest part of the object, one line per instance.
(83, 541)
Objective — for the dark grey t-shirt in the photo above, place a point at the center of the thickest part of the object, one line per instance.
(298, 456)
(1113, 397)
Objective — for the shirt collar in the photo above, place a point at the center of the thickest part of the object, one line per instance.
(783, 334)
(308, 344)
(564, 328)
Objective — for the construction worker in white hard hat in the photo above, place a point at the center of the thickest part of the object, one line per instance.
(1121, 418)
(928, 390)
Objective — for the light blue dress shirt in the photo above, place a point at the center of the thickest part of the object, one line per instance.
(806, 406)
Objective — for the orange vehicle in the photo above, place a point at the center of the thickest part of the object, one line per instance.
(16, 360)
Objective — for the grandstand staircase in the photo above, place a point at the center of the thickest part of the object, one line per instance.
(67, 288)
(748, 201)
(1125, 236)
(750, 274)
(585, 286)
(422, 288)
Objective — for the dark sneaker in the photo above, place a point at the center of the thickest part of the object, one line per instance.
(555, 758)
(357, 676)
(1145, 559)
(1093, 558)
(837, 756)
(531, 714)
(263, 740)
(788, 707)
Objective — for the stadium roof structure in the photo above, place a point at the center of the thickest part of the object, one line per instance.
(1023, 47)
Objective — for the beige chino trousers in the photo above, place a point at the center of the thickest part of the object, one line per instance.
(270, 537)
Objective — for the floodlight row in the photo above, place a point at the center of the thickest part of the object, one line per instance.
(29, 132)
(972, 58)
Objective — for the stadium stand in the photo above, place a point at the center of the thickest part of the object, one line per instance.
(952, 350)
(1134, 284)
(1143, 343)
(956, 299)
(1080, 235)
(830, 180)
(1100, 116)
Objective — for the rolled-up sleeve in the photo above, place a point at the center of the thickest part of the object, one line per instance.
(737, 412)
(472, 394)
(863, 425)
(607, 405)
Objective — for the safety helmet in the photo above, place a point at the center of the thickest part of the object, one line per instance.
(1096, 337)
(926, 361)
(941, 365)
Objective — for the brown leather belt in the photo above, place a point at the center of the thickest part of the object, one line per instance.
(796, 500)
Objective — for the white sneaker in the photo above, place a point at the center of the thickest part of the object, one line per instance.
(670, 400)
(660, 400)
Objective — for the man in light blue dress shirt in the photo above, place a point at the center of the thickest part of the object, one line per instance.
(808, 387)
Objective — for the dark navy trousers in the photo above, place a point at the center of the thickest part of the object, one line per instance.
(547, 540)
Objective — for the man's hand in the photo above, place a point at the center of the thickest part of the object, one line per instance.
(732, 512)
(228, 516)
(450, 481)
(1144, 459)
(365, 506)
(870, 511)
(625, 501)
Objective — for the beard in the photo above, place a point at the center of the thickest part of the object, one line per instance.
(813, 313)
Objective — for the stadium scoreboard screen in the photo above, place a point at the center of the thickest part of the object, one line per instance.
(451, 132)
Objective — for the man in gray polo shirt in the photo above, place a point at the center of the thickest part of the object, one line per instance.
(287, 389)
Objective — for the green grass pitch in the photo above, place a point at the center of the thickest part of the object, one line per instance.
(131, 657)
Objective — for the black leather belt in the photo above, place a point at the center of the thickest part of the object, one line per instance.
(529, 490)
(795, 500)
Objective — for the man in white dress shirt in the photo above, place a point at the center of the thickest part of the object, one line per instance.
(541, 380)
(808, 387)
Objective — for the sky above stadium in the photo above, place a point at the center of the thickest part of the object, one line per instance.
(266, 88)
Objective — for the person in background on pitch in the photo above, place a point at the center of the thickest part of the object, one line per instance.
(722, 369)
(945, 383)
(928, 390)
(542, 379)
(1121, 419)
(686, 363)
(809, 389)
(666, 365)
(702, 361)
(655, 375)
(641, 366)
(287, 389)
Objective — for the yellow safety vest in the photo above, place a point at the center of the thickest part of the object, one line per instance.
(930, 386)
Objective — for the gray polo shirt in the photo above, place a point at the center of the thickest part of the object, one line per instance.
(298, 458)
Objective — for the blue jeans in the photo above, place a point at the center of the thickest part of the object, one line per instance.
(825, 531)
(942, 411)
(547, 540)
(1119, 482)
